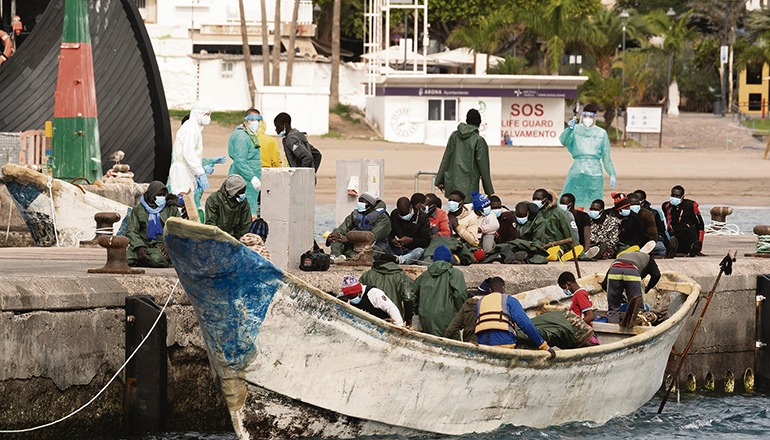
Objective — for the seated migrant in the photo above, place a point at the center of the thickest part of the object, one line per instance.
(145, 228)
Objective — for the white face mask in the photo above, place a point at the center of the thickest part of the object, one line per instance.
(254, 126)
(485, 212)
(588, 122)
(205, 119)
(538, 203)
(453, 206)
(564, 208)
(497, 212)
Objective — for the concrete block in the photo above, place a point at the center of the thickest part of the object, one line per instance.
(288, 206)
(370, 173)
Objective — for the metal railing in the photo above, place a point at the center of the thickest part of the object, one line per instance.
(417, 176)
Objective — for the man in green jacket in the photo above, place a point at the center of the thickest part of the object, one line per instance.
(439, 293)
(396, 284)
(556, 224)
(228, 208)
(466, 160)
(243, 148)
(146, 246)
(369, 215)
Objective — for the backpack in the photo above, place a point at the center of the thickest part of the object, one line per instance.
(314, 260)
(317, 156)
(260, 227)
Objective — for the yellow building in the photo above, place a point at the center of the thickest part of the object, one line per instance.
(753, 92)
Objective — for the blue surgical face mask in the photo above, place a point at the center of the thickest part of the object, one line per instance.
(282, 133)
(486, 211)
(538, 203)
(497, 212)
(407, 217)
(675, 200)
(564, 208)
(625, 212)
(361, 207)
(567, 292)
(594, 214)
(426, 210)
(160, 201)
(636, 208)
(356, 300)
(522, 220)
(240, 197)
(452, 206)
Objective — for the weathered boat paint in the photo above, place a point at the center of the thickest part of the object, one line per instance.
(74, 207)
(324, 356)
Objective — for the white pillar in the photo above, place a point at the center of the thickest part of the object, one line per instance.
(369, 173)
(288, 206)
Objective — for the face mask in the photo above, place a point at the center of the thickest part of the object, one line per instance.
(205, 119)
(240, 198)
(567, 292)
(594, 214)
(426, 210)
(588, 122)
(282, 133)
(160, 201)
(538, 203)
(356, 300)
(522, 220)
(564, 208)
(361, 207)
(636, 208)
(254, 126)
(625, 212)
(485, 212)
(407, 217)
(453, 206)
(675, 200)
(498, 212)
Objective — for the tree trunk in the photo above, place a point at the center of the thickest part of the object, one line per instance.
(247, 54)
(334, 86)
(277, 45)
(265, 45)
(292, 41)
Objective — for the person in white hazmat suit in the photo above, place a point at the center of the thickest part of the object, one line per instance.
(189, 169)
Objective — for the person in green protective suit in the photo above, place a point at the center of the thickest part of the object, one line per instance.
(589, 146)
(466, 160)
(145, 228)
(396, 284)
(244, 149)
(370, 215)
(228, 208)
(439, 293)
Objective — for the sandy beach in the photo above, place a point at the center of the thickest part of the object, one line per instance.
(710, 173)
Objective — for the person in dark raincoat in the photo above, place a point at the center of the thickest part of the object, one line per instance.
(439, 293)
(146, 247)
(228, 208)
(396, 284)
(466, 160)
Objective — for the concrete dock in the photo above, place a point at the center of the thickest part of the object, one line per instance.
(62, 332)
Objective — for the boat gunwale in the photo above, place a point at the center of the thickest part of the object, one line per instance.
(192, 230)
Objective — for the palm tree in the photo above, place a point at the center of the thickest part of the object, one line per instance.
(247, 54)
(292, 42)
(513, 66)
(560, 24)
(334, 86)
(485, 36)
(265, 45)
(604, 92)
(677, 33)
(277, 45)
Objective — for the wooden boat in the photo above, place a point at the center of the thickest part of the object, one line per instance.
(294, 361)
(64, 211)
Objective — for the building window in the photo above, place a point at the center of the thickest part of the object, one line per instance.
(442, 110)
(754, 73)
(755, 102)
(226, 69)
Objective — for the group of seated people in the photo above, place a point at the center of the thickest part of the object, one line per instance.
(545, 228)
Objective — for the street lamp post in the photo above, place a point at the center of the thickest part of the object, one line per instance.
(670, 13)
(623, 16)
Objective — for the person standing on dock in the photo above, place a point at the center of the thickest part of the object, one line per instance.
(145, 228)
(243, 147)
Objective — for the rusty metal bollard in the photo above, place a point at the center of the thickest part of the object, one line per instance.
(719, 216)
(116, 246)
(104, 222)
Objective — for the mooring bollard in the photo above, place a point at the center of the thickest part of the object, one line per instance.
(116, 246)
(362, 246)
(104, 222)
(763, 241)
(719, 216)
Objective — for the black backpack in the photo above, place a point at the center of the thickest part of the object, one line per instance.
(314, 260)
(317, 156)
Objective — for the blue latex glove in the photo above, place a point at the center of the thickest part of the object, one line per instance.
(203, 182)
(613, 182)
(572, 123)
(220, 160)
(208, 169)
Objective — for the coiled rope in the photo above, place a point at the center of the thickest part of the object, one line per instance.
(763, 244)
(84, 406)
(722, 228)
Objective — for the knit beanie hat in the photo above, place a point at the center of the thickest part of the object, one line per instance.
(480, 201)
(621, 201)
(442, 253)
(484, 287)
(473, 117)
(370, 198)
(351, 286)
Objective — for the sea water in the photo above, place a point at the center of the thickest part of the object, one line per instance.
(740, 416)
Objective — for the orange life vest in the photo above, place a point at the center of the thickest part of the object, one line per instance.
(492, 313)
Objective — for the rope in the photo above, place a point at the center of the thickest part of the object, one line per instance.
(722, 228)
(112, 379)
(49, 184)
(763, 244)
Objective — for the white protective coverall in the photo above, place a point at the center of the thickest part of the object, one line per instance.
(187, 153)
